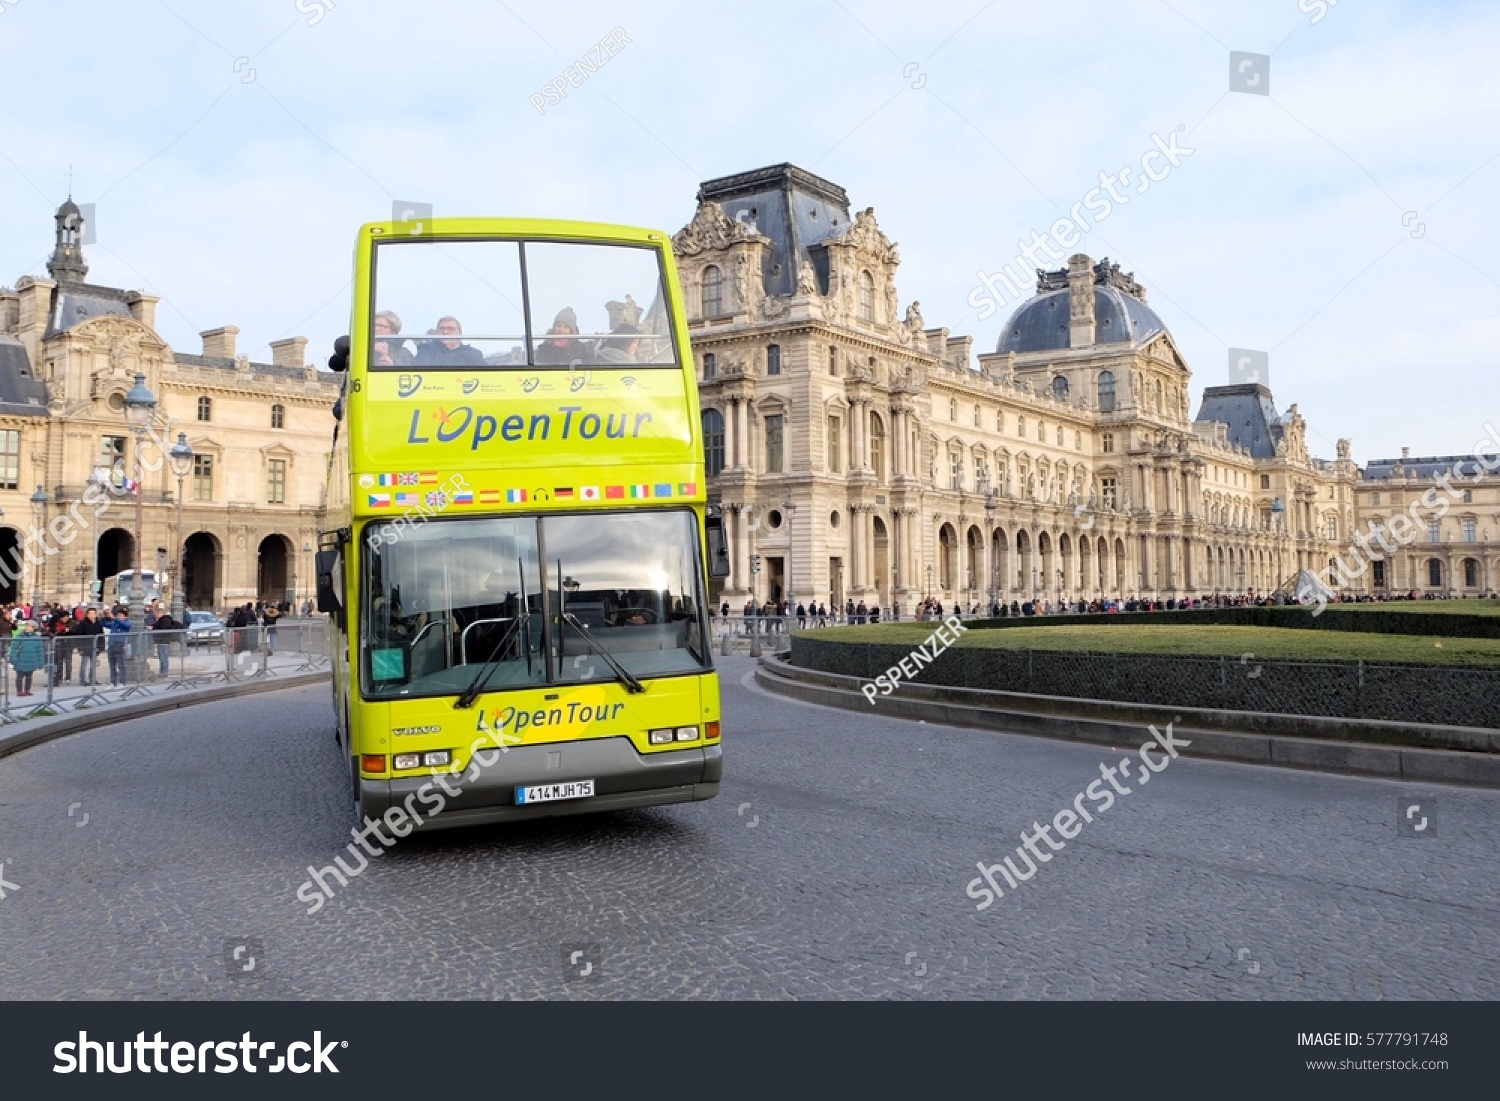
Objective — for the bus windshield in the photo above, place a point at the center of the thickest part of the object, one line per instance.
(528, 601)
(517, 304)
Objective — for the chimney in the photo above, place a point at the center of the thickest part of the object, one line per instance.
(291, 352)
(1406, 452)
(219, 343)
(1080, 301)
(143, 308)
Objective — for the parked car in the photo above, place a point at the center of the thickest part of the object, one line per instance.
(205, 629)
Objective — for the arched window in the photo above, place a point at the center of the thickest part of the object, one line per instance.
(1106, 392)
(278, 416)
(953, 409)
(1159, 406)
(1021, 426)
(713, 291)
(1000, 420)
(710, 364)
(1059, 388)
(773, 359)
(1471, 573)
(833, 360)
(866, 296)
(713, 442)
(1059, 435)
(976, 416)
(205, 409)
(1434, 573)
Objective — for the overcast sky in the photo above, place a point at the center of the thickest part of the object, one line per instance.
(1343, 223)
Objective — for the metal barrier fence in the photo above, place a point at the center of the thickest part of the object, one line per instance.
(50, 674)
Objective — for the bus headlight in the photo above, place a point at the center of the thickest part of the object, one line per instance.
(663, 736)
(437, 757)
(408, 760)
(687, 733)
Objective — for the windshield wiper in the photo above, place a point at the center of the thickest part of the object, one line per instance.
(626, 677)
(491, 663)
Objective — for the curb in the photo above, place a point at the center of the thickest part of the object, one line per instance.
(1388, 762)
(35, 732)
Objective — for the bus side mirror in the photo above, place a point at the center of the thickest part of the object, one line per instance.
(339, 361)
(718, 543)
(330, 570)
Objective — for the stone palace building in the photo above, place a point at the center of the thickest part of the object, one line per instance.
(260, 434)
(862, 455)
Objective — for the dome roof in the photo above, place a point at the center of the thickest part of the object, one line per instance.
(68, 207)
(1041, 324)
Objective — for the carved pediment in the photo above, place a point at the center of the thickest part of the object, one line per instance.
(865, 236)
(710, 229)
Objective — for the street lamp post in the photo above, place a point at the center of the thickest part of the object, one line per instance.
(181, 457)
(991, 506)
(140, 408)
(39, 501)
(83, 581)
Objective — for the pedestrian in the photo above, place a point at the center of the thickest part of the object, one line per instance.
(801, 616)
(166, 625)
(86, 638)
(27, 655)
(268, 619)
(116, 628)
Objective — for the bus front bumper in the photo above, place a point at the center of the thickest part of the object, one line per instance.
(623, 779)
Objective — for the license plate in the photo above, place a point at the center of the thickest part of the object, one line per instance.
(551, 793)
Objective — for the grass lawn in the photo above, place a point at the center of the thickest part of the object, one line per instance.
(1263, 642)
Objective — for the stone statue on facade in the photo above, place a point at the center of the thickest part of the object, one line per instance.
(807, 279)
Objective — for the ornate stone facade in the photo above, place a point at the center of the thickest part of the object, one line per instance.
(69, 352)
(864, 456)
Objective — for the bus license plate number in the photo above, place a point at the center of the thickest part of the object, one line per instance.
(550, 793)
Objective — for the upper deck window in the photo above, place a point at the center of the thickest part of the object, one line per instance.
(456, 304)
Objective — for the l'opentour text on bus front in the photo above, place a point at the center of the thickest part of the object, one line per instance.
(520, 561)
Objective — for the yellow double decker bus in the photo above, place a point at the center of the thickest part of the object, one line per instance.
(517, 565)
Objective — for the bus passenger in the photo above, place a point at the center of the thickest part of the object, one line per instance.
(621, 347)
(561, 347)
(389, 353)
(450, 351)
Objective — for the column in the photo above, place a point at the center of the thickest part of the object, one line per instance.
(741, 577)
(852, 573)
(858, 455)
(741, 434)
(731, 434)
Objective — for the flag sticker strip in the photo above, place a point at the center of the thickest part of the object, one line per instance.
(614, 493)
(562, 491)
(515, 496)
(687, 489)
(589, 493)
(640, 492)
(489, 496)
(463, 498)
(406, 500)
(380, 500)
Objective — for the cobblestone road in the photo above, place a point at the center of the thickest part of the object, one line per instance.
(138, 857)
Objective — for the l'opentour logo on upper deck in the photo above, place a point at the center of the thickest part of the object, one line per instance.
(565, 423)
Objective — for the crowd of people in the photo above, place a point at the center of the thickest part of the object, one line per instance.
(64, 642)
(931, 608)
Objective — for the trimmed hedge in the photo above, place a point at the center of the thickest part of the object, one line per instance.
(1434, 624)
(1446, 696)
